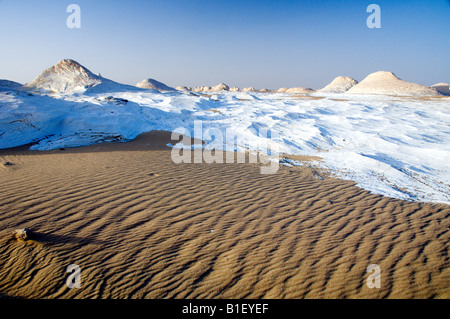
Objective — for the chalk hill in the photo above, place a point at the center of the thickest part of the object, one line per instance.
(340, 84)
(383, 82)
(69, 76)
(443, 88)
(153, 84)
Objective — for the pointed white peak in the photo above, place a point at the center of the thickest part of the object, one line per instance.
(340, 84)
(382, 75)
(153, 84)
(70, 66)
(383, 82)
(66, 76)
(443, 88)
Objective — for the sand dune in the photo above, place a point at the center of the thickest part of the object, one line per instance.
(140, 226)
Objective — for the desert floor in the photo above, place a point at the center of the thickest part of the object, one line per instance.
(141, 226)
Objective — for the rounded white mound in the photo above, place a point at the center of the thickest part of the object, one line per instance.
(220, 87)
(340, 84)
(299, 90)
(443, 88)
(202, 89)
(153, 84)
(383, 82)
(66, 75)
(9, 84)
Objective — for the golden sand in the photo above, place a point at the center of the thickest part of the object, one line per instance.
(140, 226)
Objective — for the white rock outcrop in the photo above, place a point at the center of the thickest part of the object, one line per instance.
(65, 76)
(301, 90)
(340, 84)
(153, 84)
(443, 88)
(387, 83)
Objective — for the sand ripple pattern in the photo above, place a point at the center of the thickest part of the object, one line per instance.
(140, 226)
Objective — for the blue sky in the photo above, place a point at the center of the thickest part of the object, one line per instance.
(265, 44)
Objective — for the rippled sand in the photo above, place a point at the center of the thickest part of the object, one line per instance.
(140, 226)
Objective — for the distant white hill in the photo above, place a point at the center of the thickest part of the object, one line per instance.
(69, 76)
(383, 82)
(202, 89)
(443, 88)
(299, 90)
(217, 88)
(390, 146)
(340, 84)
(9, 84)
(153, 84)
(220, 87)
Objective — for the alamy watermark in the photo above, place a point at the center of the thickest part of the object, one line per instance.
(373, 20)
(374, 279)
(74, 279)
(221, 147)
(74, 19)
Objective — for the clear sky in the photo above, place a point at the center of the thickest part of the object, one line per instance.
(265, 44)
